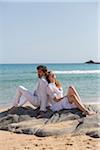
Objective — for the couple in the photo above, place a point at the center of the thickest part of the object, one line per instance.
(48, 92)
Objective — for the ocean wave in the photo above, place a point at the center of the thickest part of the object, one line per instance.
(78, 72)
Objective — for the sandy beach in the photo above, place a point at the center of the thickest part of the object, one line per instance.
(13, 141)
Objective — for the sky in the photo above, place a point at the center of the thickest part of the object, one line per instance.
(49, 32)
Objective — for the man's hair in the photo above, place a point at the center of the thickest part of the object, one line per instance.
(44, 68)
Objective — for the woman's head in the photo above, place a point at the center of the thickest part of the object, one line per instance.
(51, 77)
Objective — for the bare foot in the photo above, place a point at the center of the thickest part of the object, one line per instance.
(12, 110)
(90, 113)
(41, 114)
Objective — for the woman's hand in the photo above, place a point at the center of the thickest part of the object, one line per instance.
(57, 98)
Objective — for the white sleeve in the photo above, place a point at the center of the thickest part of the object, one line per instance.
(43, 95)
(58, 91)
(51, 92)
(35, 88)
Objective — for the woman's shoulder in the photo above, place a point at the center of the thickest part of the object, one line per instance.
(51, 85)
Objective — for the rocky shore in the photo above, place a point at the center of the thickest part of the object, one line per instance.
(71, 122)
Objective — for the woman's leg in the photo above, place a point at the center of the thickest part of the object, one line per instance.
(73, 97)
(72, 91)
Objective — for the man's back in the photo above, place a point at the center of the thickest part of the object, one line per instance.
(42, 93)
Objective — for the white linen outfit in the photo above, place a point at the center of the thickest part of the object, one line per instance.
(38, 98)
(53, 91)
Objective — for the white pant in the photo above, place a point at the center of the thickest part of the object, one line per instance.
(63, 104)
(27, 97)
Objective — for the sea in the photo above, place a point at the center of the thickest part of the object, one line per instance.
(84, 77)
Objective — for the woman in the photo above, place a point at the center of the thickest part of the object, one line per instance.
(55, 93)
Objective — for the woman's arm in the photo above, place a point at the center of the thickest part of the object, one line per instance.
(55, 93)
(58, 98)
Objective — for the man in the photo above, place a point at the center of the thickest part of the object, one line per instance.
(39, 96)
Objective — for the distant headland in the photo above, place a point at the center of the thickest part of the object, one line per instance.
(92, 62)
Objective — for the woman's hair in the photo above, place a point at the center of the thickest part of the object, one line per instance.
(58, 84)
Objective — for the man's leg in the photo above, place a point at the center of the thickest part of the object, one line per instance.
(22, 91)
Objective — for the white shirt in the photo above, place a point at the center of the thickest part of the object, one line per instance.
(41, 93)
(52, 91)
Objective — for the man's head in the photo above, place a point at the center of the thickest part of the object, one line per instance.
(42, 71)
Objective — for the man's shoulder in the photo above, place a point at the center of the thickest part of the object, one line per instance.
(44, 80)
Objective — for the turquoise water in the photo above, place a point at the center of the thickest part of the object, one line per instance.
(85, 77)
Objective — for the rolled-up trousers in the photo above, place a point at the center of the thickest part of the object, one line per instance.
(23, 95)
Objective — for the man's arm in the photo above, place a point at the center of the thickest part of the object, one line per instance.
(43, 95)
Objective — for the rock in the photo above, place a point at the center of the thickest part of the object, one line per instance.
(87, 123)
(92, 62)
(6, 120)
(63, 122)
(94, 134)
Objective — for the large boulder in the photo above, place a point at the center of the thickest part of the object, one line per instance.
(71, 121)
